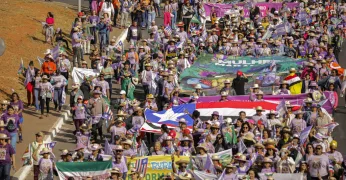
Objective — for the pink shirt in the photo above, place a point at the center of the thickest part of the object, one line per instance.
(50, 21)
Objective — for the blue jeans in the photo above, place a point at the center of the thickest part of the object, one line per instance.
(144, 19)
(157, 8)
(5, 171)
(58, 97)
(14, 140)
(151, 17)
(37, 101)
(174, 19)
(103, 38)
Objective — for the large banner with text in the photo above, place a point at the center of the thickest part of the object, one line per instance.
(212, 70)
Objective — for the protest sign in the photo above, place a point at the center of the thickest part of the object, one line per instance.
(157, 166)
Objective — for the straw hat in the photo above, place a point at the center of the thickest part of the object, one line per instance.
(284, 82)
(45, 77)
(150, 96)
(259, 145)
(84, 62)
(45, 151)
(230, 166)
(201, 147)
(5, 102)
(267, 160)
(40, 134)
(255, 86)
(134, 80)
(118, 148)
(293, 70)
(227, 81)
(215, 157)
(121, 113)
(169, 138)
(95, 147)
(198, 86)
(3, 136)
(127, 141)
(64, 152)
(115, 171)
(241, 158)
(47, 52)
(181, 161)
(2, 124)
(259, 108)
(272, 112)
(249, 137)
(182, 120)
(228, 120)
(185, 139)
(97, 92)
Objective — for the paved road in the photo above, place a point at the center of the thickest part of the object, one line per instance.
(340, 116)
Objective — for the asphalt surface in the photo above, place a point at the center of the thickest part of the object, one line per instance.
(66, 139)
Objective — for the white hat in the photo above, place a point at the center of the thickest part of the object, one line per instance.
(198, 86)
(122, 92)
(255, 86)
(47, 52)
(182, 120)
(228, 120)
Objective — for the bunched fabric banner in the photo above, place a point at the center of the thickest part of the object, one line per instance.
(157, 166)
(170, 117)
(297, 100)
(81, 170)
(78, 74)
(221, 9)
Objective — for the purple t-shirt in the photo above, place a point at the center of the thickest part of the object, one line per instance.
(6, 151)
(19, 105)
(15, 118)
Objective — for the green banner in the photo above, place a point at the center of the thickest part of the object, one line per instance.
(211, 70)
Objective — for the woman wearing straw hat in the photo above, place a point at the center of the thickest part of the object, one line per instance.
(7, 158)
(128, 151)
(282, 89)
(242, 168)
(148, 80)
(186, 148)
(272, 119)
(116, 127)
(298, 124)
(125, 74)
(150, 102)
(115, 173)
(45, 94)
(95, 153)
(46, 165)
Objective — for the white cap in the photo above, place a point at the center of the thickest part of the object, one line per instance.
(122, 92)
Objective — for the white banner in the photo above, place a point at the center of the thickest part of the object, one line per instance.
(281, 176)
(78, 74)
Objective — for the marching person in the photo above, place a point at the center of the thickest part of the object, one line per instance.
(97, 107)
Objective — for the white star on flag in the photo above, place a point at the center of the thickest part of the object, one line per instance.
(168, 115)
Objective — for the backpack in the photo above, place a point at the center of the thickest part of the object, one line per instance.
(11, 126)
